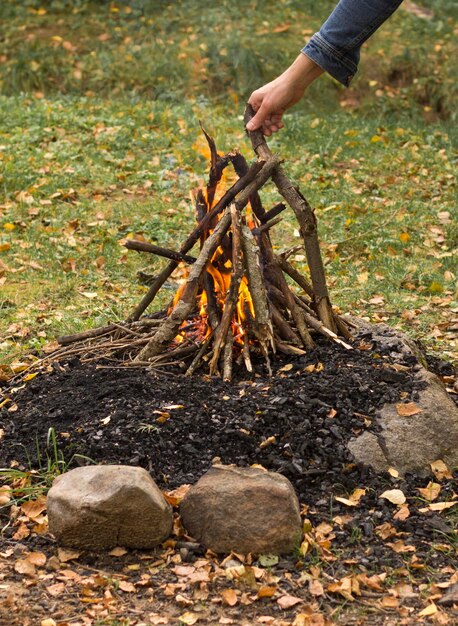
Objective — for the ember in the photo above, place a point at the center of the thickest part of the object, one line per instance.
(234, 301)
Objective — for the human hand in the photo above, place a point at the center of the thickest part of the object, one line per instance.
(273, 99)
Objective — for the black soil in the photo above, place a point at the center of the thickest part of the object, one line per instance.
(298, 423)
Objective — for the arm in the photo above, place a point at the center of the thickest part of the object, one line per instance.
(334, 49)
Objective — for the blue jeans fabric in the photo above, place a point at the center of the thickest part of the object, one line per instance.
(336, 47)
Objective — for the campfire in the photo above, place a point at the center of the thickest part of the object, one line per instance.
(236, 300)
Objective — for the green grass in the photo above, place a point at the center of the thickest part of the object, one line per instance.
(99, 139)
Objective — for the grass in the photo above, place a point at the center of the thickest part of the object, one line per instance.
(100, 140)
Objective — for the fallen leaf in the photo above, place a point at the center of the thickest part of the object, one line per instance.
(23, 566)
(316, 588)
(393, 472)
(431, 491)
(441, 470)
(22, 532)
(346, 501)
(48, 622)
(175, 496)
(67, 554)
(408, 409)
(286, 368)
(118, 551)
(229, 597)
(431, 609)
(189, 618)
(126, 586)
(268, 560)
(33, 508)
(266, 591)
(286, 602)
(438, 506)
(395, 496)
(37, 558)
(389, 602)
(400, 547)
(56, 590)
(403, 513)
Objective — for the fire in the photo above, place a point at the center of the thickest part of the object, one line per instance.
(220, 270)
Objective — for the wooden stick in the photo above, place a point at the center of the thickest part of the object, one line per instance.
(287, 348)
(257, 175)
(295, 275)
(263, 324)
(307, 226)
(233, 294)
(317, 325)
(217, 165)
(265, 227)
(227, 356)
(213, 312)
(246, 354)
(144, 246)
(197, 361)
(273, 212)
(284, 329)
(169, 328)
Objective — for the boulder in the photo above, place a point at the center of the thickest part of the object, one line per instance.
(243, 510)
(410, 444)
(103, 506)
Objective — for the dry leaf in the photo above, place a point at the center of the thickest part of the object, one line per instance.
(189, 618)
(126, 586)
(229, 597)
(56, 590)
(390, 602)
(346, 501)
(48, 622)
(33, 508)
(438, 506)
(23, 566)
(67, 554)
(286, 368)
(266, 591)
(316, 588)
(118, 551)
(395, 496)
(441, 470)
(175, 496)
(403, 513)
(408, 409)
(393, 472)
(431, 491)
(37, 558)
(286, 602)
(431, 609)
(22, 532)
(400, 547)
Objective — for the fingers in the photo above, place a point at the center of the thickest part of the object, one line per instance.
(262, 113)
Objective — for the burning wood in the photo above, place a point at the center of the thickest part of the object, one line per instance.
(235, 301)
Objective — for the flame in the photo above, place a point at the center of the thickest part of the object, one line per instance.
(220, 271)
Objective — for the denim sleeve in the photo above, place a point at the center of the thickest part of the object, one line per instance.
(336, 47)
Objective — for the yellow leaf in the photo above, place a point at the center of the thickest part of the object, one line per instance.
(431, 491)
(393, 472)
(440, 506)
(441, 470)
(4, 247)
(346, 501)
(408, 409)
(395, 496)
(30, 377)
(286, 602)
(286, 368)
(435, 287)
(126, 586)
(431, 609)
(375, 138)
(267, 591)
(8, 226)
(229, 597)
(404, 237)
(188, 618)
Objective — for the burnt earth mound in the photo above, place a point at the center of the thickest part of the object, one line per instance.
(298, 423)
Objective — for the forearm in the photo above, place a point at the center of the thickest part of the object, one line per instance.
(336, 47)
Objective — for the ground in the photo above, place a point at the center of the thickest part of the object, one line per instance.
(100, 141)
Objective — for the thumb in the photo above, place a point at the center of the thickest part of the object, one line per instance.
(258, 120)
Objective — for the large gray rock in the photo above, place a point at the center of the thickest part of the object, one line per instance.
(243, 510)
(103, 506)
(410, 444)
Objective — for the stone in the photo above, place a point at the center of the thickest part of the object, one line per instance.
(100, 507)
(243, 510)
(410, 444)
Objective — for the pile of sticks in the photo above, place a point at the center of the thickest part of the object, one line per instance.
(236, 242)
